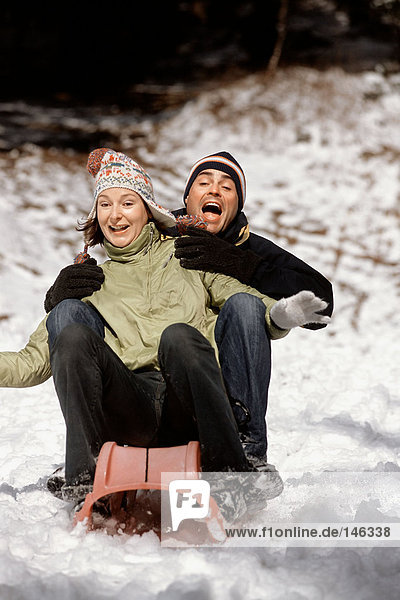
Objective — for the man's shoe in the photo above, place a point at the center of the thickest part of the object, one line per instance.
(260, 463)
(243, 494)
(270, 482)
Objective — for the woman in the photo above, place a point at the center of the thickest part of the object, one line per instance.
(136, 361)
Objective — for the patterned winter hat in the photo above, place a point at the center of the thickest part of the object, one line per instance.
(113, 169)
(221, 161)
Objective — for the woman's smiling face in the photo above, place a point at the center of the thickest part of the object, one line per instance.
(121, 214)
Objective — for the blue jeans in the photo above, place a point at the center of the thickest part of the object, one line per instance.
(72, 311)
(245, 358)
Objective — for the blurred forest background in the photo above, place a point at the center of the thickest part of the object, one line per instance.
(154, 55)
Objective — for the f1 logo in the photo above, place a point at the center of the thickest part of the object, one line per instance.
(189, 499)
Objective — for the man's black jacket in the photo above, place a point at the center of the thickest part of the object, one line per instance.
(279, 273)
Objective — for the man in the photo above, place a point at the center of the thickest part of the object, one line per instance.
(215, 191)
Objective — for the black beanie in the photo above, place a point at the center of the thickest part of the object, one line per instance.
(221, 161)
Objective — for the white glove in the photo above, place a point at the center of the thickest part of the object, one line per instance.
(300, 309)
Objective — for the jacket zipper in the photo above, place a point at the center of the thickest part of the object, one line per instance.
(148, 251)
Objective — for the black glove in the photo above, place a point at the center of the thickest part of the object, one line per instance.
(205, 251)
(74, 281)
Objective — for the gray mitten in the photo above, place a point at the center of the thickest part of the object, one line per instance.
(297, 310)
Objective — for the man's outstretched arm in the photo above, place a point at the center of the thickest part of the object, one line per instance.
(258, 262)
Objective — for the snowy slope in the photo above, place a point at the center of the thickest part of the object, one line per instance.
(321, 154)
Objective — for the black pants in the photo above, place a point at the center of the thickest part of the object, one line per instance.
(102, 400)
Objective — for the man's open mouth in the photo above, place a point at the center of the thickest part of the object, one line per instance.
(212, 207)
(118, 227)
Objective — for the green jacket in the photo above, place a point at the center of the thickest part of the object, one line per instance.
(145, 289)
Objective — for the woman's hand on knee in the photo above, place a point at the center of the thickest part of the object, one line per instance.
(74, 281)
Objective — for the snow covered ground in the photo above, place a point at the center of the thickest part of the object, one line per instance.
(321, 153)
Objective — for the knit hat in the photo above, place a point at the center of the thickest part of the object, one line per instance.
(221, 161)
(113, 169)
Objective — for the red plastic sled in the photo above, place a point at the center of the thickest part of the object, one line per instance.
(124, 468)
